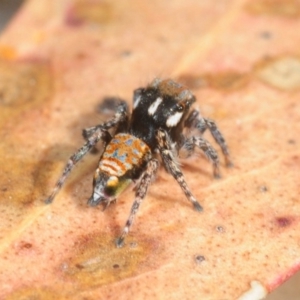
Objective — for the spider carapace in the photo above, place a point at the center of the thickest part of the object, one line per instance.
(160, 128)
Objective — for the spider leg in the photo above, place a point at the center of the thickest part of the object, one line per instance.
(205, 146)
(140, 194)
(75, 158)
(194, 120)
(165, 149)
(93, 135)
(120, 120)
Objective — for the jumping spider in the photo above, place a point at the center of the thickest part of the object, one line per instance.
(160, 125)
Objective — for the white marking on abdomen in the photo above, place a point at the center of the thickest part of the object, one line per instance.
(174, 119)
(153, 107)
(110, 167)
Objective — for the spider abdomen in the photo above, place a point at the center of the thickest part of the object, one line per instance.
(122, 154)
(122, 162)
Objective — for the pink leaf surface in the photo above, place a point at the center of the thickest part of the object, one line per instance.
(58, 59)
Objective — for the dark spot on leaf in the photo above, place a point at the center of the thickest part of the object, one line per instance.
(25, 245)
(291, 141)
(263, 188)
(266, 35)
(79, 266)
(199, 259)
(220, 228)
(126, 53)
(283, 221)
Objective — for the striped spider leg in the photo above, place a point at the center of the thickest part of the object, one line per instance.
(166, 152)
(141, 191)
(196, 121)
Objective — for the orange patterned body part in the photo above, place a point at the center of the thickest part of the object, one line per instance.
(123, 153)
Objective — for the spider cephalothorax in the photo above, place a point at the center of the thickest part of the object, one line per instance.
(160, 125)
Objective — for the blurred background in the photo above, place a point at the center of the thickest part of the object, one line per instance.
(7, 9)
(288, 291)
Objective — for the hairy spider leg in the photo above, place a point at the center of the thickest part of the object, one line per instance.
(141, 191)
(194, 120)
(165, 149)
(121, 115)
(99, 132)
(205, 146)
(75, 158)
